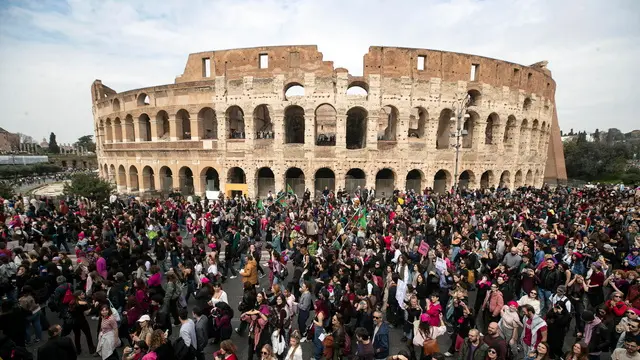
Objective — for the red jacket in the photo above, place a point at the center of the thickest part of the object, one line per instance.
(619, 308)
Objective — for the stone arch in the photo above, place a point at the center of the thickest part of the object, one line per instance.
(324, 178)
(144, 124)
(358, 88)
(388, 123)
(293, 89)
(163, 125)
(505, 180)
(415, 181)
(148, 179)
(183, 125)
(526, 105)
(122, 178)
(104, 169)
(518, 179)
(236, 175)
(543, 138)
(185, 174)
(134, 185)
(475, 97)
(325, 125)
(385, 182)
(467, 180)
(112, 174)
(262, 124)
(355, 178)
(510, 131)
(208, 123)
(523, 136)
(101, 132)
(441, 181)
(444, 129)
(487, 179)
(166, 179)
(535, 136)
(536, 179)
(294, 125)
(209, 180)
(235, 122)
(469, 126)
(418, 122)
(143, 99)
(115, 105)
(528, 181)
(490, 132)
(294, 178)
(129, 129)
(265, 181)
(356, 137)
(108, 127)
(117, 130)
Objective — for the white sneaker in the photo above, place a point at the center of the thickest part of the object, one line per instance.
(233, 276)
(262, 275)
(303, 339)
(448, 354)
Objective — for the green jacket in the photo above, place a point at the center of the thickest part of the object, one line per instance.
(479, 354)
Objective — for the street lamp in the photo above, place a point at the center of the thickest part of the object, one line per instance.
(460, 115)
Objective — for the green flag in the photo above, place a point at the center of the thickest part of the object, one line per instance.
(260, 205)
(290, 189)
(362, 221)
(282, 201)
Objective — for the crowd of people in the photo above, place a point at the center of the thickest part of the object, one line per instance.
(492, 274)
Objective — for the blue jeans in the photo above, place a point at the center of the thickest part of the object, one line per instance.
(34, 320)
(544, 296)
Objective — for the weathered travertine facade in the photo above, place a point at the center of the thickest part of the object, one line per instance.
(230, 124)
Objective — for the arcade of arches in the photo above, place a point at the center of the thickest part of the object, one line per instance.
(207, 180)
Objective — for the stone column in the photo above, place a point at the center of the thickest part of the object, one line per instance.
(278, 128)
(498, 136)
(155, 129)
(197, 181)
(127, 131)
(196, 128)
(138, 130)
(251, 182)
(372, 129)
(309, 183)
(479, 136)
(341, 131)
(402, 131)
(175, 128)
(309, 129)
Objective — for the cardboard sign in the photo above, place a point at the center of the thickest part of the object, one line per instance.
(12, 245)
(424, 248)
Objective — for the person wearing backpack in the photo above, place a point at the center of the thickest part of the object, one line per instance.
(62, 296)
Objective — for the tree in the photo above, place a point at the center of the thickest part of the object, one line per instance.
(86, 142)
(26, 139)
(89, 185)
(6, 190)
(596, 135)
(53, 144)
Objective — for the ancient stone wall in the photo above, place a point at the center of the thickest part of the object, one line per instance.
(258, 119)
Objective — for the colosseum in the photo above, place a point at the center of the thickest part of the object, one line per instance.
(261, 119)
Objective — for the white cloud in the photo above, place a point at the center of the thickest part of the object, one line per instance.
(51, 51)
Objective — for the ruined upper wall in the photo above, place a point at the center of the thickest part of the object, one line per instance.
(292, 61)
(393, 62)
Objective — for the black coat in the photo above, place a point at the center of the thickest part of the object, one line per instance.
(59, 348)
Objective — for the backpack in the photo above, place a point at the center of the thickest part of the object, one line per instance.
(68, 296)
(347, 345)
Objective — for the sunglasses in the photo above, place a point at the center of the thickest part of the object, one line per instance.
(377, 317)
(533, 293)
(136, 348)
(265, 353)
(492, 351)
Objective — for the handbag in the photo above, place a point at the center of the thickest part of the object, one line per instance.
(429, 346)
(114, 312)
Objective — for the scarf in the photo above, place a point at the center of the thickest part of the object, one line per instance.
(536, 324)
(588, 329)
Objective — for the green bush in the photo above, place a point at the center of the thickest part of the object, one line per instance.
(6, 190)
(12, 171)
(89, 185)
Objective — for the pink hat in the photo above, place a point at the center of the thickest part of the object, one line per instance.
(512, 303)
(424, 317)
(204, 280)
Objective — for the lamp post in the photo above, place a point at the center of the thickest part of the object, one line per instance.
(460, 115)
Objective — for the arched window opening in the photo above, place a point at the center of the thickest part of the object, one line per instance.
(133, 179)
(143, 99)
(145, 127)
(387, 124)
(293, 90)
(524, 127)
(117, 130)
(266, 182)
(444, 129)
(129, 129)
(166, 179)
(441, 181)
(486, 180)
(326, 119)
(325, 181)
(211, 180)
(414, 181)
(505, 180)
(186, 181)
(356, 128)
(294, 125)
(207, 119)
(294, 179)
(122, 178)
(354, 180)
(385, 183)
(518, 179)
(466, 180)
(529, 179)
(148, 179)
(183, 122)
(356, 90)
(235, 123)
(468, 129)
(108, 127)
(115, 105)
(236, 176)
(474, 97)
(263, 126)
(527, 104)
(510, 131)
(492, 128)
(417, 123)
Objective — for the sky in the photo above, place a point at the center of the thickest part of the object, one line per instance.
(52, 50)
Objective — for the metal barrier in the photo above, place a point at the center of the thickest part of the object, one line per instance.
(264, 185)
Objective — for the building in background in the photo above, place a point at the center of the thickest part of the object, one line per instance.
(8, 141)
(273, 118)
